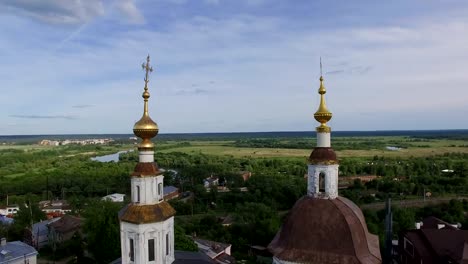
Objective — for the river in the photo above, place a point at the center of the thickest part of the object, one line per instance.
(111, 157)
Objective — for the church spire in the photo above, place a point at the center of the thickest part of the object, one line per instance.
(146, 128)
(323, 115)
(323, 164)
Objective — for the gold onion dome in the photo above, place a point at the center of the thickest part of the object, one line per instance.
(146, 128)
(322, 115)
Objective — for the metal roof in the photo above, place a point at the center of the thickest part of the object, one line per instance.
(15, 250)
(169, 189)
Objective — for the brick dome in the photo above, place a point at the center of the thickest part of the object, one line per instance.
(325, 231)
(322, 155)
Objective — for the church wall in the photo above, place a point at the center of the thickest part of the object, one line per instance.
(140, 234)
(331, 180)
(147, 190)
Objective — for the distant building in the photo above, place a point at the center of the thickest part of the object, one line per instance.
(227, 221)
(170, 192)
(40, 233)
(434, 241)
(245, 175)
(55, 208)
(344, 182)
(16, 252)
(211, 181)
(219, 252)
(64, 229)
(115, 197)
(4, 220)
(9, 210)
(46, 142)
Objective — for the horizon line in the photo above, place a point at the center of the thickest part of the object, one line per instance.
(249, 132)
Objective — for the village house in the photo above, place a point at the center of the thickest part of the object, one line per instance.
(210, 181)
(16, 252)
(434, 241)
(64, 229)
(9, 210)
(4, 220)
(218, 252)
(55, 208)
(40, 233)
(115, 197)
(170, 192)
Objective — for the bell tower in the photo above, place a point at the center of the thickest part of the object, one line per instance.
(322, 179)
(147, 223)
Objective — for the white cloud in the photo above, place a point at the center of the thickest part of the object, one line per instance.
(70, 11)
(57, 11)
(129, 9)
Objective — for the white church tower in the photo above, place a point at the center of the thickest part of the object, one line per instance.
(323, 227)
(322, 179)
(147, 223)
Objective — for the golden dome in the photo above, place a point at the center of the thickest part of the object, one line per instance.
(146, 128)
(322, 115)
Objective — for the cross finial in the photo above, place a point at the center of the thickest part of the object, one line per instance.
(320, 65)
(148, 69)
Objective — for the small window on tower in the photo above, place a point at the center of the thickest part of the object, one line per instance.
(167, 244)
(138, 194)
(160, 191)
(322, 182)
(131, 254)
(151, 255)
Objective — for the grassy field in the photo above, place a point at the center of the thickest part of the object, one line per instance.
(26, 147)
(227, 147)
(416, 149)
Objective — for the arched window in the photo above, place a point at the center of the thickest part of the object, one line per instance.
(138, 194)
(322, 182)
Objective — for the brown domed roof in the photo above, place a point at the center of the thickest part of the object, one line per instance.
(142, 214)
(325, 231)
(323, 156)
(143, 169)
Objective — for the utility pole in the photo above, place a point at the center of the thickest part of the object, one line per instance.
(388, 233)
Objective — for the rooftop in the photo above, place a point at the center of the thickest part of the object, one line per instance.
(15, 250)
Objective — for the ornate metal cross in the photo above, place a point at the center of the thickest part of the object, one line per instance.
(148, 69)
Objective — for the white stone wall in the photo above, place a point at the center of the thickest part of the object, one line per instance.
(331, 181)
(151, 189)
(146, 156)
(140, 235)
(323, 140)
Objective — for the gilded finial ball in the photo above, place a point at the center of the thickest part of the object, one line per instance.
(145, 128)
(323, 117)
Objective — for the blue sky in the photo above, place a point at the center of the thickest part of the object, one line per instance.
(232, 65)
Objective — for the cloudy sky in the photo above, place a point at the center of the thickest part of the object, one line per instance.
(232, 65)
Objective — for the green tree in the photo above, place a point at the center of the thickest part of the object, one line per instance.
(26, 216)
(182, 241)
(102, 230)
